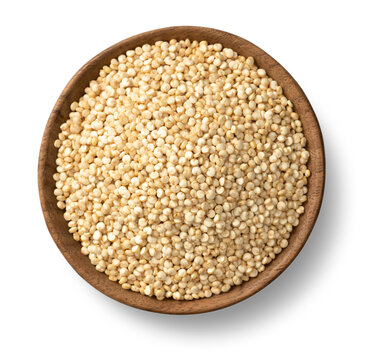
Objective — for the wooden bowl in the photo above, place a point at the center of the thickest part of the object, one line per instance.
(58, 226)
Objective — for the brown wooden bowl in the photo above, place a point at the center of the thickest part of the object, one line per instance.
(58, 226)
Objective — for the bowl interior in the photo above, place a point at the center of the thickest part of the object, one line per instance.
(58, 226)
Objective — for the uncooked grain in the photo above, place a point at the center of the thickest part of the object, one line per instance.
(182, 170)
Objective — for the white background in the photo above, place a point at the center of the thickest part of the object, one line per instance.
(321, 307)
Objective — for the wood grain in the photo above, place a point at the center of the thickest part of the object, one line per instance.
(71, 249)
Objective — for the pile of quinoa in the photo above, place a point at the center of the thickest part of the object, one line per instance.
(182, 170)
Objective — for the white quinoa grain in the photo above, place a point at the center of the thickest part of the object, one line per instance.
(182, 170)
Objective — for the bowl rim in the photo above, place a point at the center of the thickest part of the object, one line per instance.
(237, 293)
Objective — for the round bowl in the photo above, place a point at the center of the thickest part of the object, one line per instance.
(58, 226)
